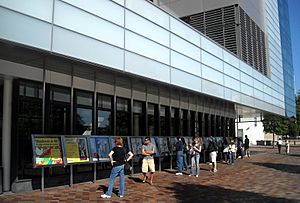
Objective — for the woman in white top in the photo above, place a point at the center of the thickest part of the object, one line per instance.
(232, 151)
(279, 144)
(195, 150)
(287, 146)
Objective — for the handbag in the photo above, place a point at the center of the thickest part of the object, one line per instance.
(127, 165)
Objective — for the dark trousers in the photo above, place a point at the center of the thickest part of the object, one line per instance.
(279, 148)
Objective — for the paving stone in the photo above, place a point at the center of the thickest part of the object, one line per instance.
(265, 177)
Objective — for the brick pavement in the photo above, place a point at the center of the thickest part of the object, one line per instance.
(265, 177)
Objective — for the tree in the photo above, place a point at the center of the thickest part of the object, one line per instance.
(283, 125)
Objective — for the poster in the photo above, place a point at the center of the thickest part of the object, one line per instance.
(189, 140)
(76, 150)
(100, 148)
(155, 146)
(47, 151)
(172, 143)
(162, 143)
(136, 145)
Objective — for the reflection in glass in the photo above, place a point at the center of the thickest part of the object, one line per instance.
(58, 110)
(122, 117)
(163, 120)
(104, 115)
(193, 124)
(104, 125)
(83, 121)
(175, 122)
(138, 119)
(183, 123)
(152, 119)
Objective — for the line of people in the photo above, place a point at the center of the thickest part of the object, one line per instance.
(194, 151)
(119, 155)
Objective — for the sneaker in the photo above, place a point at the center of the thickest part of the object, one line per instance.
(121, 196)
(105, 196)
(191, 175)
(215, 170)
(178, 174)
(210, 163)
(144, 180)
(197, 176)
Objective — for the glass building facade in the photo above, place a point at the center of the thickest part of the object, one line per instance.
(287, 59)
(132, 70)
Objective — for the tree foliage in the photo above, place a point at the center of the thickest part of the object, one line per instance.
(283, 125)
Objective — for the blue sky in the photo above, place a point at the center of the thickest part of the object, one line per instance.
(294, 6)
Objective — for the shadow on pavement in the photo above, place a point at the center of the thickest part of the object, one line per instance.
(297, 155)
(282, 167)
(198, 193)
(135, 179)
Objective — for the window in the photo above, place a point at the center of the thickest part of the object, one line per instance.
(152, 119)
(175, 122)
(83, 113)
(184, 123)
(138, 119)
(104, 115)
(164, 121)
(58, 105)
(123, 117)
(201, 124)
(27, 113)
(193, 124)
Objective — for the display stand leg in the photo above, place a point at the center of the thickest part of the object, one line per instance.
(43, 179)
(132, 170)
(171, 161)
(71, 175)
(95, 172)
(159, 166)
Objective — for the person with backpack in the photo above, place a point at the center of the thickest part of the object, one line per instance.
(179, 153)
(212, 150)
(185, 151)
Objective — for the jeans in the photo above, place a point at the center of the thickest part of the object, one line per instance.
(115, 171)
(180, 161)
(231, 157)
(185, 164)
(195, 162)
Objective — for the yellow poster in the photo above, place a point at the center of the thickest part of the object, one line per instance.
(76, 150)
(48, 151)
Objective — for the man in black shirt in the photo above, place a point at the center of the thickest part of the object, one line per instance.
(246, 146)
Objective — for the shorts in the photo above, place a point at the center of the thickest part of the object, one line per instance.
(148, 164)
(213, 156)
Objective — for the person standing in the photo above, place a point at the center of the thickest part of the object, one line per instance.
(195, 150)
(179, 154)
(239, 153)
(232, 151)
(287, 146)
(212, 150)
(246, 146)
(117, 158)
(148, 151)
(185, 151)
(279, 144)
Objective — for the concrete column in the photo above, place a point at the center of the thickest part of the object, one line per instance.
(6, 132)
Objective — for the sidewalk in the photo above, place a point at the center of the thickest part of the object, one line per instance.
(265, 177)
